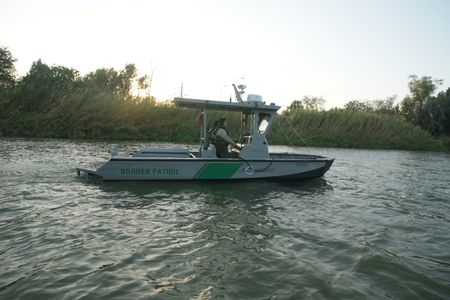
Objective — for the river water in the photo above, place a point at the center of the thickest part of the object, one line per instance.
(377, 226)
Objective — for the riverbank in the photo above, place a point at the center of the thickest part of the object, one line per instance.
(165, 123)
(354, 129)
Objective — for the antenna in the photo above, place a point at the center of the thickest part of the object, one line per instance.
(241, 91)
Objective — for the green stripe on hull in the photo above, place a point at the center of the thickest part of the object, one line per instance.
(218, 170)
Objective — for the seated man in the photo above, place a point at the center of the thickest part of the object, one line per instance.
(222, 140)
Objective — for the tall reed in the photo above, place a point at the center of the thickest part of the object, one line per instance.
(350, 129)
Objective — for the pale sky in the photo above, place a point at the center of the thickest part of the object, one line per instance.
(283, 50)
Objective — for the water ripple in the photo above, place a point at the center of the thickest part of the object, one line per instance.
(373, 228)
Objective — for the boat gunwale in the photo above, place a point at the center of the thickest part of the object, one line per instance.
(319, 159)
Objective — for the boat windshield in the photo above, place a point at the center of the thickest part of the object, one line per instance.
(263, 122)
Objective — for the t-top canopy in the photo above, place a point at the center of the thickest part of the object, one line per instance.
(223, 105)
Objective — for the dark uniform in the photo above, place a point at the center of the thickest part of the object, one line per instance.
(221, 144)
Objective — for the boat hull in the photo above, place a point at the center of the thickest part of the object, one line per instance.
(120, 168)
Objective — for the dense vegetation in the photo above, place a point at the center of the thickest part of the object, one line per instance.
(352, 129)
(55, 101)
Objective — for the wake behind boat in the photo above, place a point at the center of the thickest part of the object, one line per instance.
(252, 159)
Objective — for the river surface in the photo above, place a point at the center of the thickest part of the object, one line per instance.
(377, 226)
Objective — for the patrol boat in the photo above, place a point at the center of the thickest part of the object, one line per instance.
(253, 161)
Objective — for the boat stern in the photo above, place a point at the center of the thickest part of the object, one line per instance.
(88, 173)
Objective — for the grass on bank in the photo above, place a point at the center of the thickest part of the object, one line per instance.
(109, 117)
(352, 129)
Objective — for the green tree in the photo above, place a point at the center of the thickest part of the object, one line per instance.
(35, 87)
(383, 106)
(7, 81)
(127, 75)
(103, 80)
(421, 90)
(434, 117)
(296, 104)
(357, 105)
(386, 106)
(313, 103)
(444, 99)
(44, 86)
(107, 80)
(143, 84)
(7, 69)
(437, 113)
